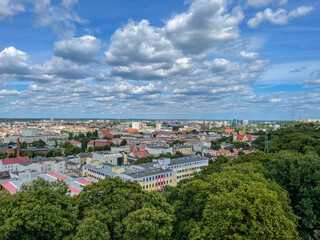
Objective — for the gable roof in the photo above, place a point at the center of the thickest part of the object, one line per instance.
(241, 136)
(14, 160)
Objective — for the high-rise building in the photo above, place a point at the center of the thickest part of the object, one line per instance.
(135, 125)
(158, 126)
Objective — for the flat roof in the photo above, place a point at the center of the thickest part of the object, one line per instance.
(147, 172)
(187, 160)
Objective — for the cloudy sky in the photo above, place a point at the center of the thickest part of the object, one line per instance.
(186, 59)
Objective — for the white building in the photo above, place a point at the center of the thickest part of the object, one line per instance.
(158, 126)
(158, 150)
(136, 125)
(43, 165)
(184, 166)
(11, 164)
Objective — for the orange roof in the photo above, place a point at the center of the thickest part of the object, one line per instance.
(132, 130)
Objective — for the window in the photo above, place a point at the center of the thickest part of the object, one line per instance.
(144, 180)
(143, 187)
(170, 180)
(146, 186)
(152, 184)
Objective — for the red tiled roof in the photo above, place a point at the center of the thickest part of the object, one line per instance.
(14, 160)
(106, 133)
(241, 136)
(76, 191)
(224, 151)
(10, 187)
(74, 142)
(141, 153)
(57, 176)
(83, 182)
(132, 130)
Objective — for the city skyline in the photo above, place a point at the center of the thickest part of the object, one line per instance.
(194, 59)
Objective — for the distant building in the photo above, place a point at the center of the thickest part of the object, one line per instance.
(139, 154)
(96, 143)
(151, 176)
(11, 164)
(114, 158)
(158, 126)
(76, 143)
(42, 165)
(105, 134)
(135, 125)
(242, 137)
(184, 149)
(13, 185)
(229, 131)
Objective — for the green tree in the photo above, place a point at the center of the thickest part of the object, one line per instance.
(215, 145)
(123, 142)
(239, 144)
(102, 148)
(299, 175)
(57, 153)
(58, 186)
(42, 214)
(242, 211)
(39, 144)
(24, 145)
(147, 223)
(92, 229)
(50, 153)
(250, 211)
(70, 136)
(111, 200)
(2, 155)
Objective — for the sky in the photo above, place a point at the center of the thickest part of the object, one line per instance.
(152, 59)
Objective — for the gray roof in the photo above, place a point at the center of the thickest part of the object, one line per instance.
(188, 159)
(147, 172)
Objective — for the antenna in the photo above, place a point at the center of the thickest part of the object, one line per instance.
(293, 127)
(266, 143)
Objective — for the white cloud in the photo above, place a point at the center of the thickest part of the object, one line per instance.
(13, 61)
(82, 49)
(206, 25)
(61, 18)
(314, 79)
(10, 8)
(139, 51)
(62, 68)
(166, 62)
(263, 3)
(279, 17)
(248, 56)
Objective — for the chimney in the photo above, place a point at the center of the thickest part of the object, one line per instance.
(18, 148)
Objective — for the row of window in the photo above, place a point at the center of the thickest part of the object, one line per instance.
(10, 166)
(184, 165)
(184, 176)
(153, 185)
(153, 178)
(189, 169)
